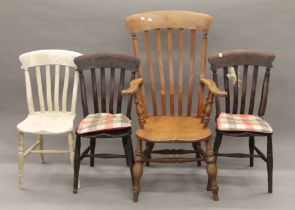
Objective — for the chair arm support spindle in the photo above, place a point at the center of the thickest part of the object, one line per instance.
(213, 91)
(134, 90)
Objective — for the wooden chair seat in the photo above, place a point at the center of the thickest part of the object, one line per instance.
(173, 129)
(47, 123)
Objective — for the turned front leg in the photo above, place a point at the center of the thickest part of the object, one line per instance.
(211, 170)
(137, 170)
(40, 139)
(21, 158)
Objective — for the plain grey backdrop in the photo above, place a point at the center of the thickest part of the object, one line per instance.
(89, 26)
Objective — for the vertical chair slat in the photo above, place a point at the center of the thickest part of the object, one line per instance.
(180, 70)
(202, 75)
(217, 103)
(83, 94)
(191, 71)
(112, 91)
(161, 70)
(129, 106)
(40, 89)
(253, 90)
(48, 88)
(236, 92)
(65, 89)
(74, 93)
(103, 90)
(151, 71)
(29, 93)
(171, 70)
(264, 93)
(56, 88)
(94, 90)
(226, 88)
(121, 87)
(140, 74)
(244, 89)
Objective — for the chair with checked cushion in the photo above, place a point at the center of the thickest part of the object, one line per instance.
(244, 64)
(105, 121)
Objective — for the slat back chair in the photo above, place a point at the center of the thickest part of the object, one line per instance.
(53, 116)
(100, 71)
(175, 121)
(247, 65)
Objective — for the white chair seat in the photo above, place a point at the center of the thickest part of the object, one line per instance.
(47, 123)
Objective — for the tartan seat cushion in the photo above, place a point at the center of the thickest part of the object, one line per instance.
(103, 122)
(242, 122)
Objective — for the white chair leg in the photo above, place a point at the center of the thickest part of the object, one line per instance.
(41, 146)
(71, 147)
(21, 158)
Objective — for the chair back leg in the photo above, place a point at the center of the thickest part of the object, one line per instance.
(92, 151)
(269, 163)
(40, 139)
(251, 149)
(77, 163)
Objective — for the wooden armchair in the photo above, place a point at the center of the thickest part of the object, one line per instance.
(241, 63)
(98, 69)
(176, 124)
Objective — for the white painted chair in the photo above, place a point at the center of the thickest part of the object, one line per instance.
(50, 118)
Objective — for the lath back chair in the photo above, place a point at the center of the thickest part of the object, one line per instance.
(244, 64)
(52, 117)
(177, 123)
(100, 71)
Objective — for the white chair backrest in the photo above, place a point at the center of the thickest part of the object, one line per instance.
(48, 59)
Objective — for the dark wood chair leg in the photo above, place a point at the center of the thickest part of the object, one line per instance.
(77, 163)
(124, 143)
(217, 144)
(196, 146)
(149, 147)
(130, 156)
(212, 170)
(92, 151)
(251, 149)
(216, 147)
(137, 170)
(269, 163)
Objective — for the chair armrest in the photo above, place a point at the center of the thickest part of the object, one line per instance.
(212, 87)
(134, 86)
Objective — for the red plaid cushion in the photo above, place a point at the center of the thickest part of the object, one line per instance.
(242, 122)
(103, 122)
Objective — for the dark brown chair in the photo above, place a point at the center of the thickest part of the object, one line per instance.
(100, 66)
(184, 121)
(247, 64)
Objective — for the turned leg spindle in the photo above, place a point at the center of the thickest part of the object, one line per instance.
(77, 163)
(212, 170)
(137, 170)
(40, 139)
(269, 163)
(21, 160)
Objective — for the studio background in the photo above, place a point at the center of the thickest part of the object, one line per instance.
(98, 26)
